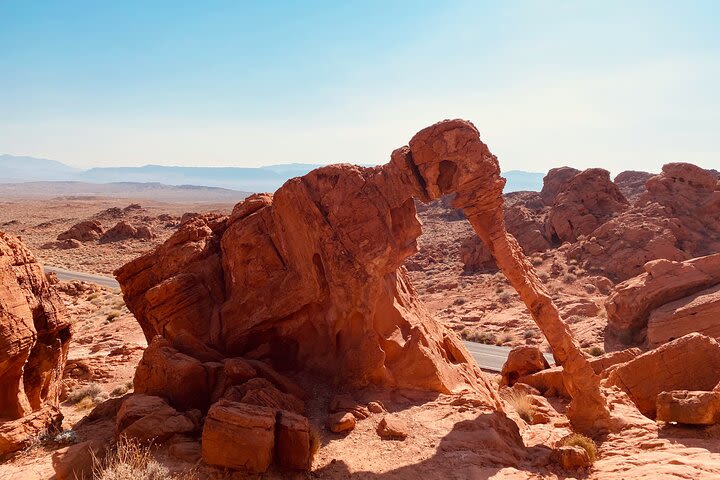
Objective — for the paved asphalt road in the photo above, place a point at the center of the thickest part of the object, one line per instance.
(489, 357)
(68, 275)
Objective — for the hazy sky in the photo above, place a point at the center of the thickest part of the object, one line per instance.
(623, 85)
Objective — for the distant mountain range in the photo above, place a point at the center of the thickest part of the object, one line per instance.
(16, 169)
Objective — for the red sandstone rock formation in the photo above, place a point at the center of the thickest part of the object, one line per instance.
(310, 277)
(632, 183)
(585, 202)
(676, 219)
(632, 302)
(34, 337)
(522, 361)
(699, 312)
(691, 362)
(84, 231)
(689, 407)
(555, 181)
(124, 231)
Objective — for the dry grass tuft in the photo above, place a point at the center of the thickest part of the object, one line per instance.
(90, 391)
(580, 440)
(130, 461)
(521, 403)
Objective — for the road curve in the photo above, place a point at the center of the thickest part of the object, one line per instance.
(488, 357)
(68, 275)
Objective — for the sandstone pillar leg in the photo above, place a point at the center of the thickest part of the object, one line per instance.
(588, 411)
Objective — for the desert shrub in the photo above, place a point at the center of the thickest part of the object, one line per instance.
(90, 391)
(569, 278)
(130, 461)
(113, 315)
(595, 351)
(506, 338)
(459, 301)
(544, 276)
(66, 437)
(580, 440)
(120, 390)
(475, 336)
(528, 334)
(505, 297)
(521, 403)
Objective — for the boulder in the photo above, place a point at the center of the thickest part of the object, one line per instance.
(571, 457)
(181, 379)
(341, 422)
(149, 419)
(522, 361)
(631, 302)
(393, 428)
(699, 312)
(632, 183)
(688, 407)
(584, 203)
(555, 181)
(35, 332)
(691, 362)
(239, 436)
(125, 231)
(76, 461)
(549, 382)
(20, 433)
(86, 231)
(607, 360)
(294, 447)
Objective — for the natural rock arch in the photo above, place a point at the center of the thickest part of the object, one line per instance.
(312, 275)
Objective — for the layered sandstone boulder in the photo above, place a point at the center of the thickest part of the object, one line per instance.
(35, 332)
(689, 407)
(632, 302)
(125, 231)
(584, 203)
(691, 362)
(554, 182)
(699, 312)
(522, 361)
(83, 232)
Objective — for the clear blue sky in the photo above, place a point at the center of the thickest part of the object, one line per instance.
(619, 84)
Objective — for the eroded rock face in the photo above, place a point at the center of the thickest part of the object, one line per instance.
(699, 312)
(125, 231)
(309, 278)
(691, 362)
(34, 337)
(631, 303)
(632, 183)
(689, 407)
(584, 203)
(522, 361)
(555, 181)
(83, 232)
(676, 219)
